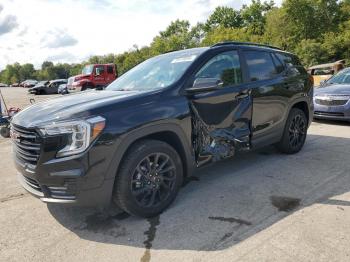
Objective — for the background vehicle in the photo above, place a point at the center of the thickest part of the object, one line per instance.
(325, 71)
(28, 83)
(134, 142)
(332, 98)
(3, 85)
(6, 115)
(93, 76)
(63, 89)
(47, 87)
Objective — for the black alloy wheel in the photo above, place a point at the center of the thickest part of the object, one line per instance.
(297, 131)
(148, 179)
(153, 180)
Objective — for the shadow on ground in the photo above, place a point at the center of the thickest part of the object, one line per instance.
(227, 202)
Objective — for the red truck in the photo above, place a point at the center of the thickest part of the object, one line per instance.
(93, 76)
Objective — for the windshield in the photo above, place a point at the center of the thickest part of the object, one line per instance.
(343, 77)
(87, 70)
(156, 73)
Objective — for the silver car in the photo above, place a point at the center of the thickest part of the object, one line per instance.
(332, 98)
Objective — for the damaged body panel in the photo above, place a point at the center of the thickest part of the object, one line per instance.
(221, 124)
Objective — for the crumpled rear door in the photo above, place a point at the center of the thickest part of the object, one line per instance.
(221, 123)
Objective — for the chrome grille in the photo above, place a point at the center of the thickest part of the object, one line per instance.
(331, 102)
(26, 144)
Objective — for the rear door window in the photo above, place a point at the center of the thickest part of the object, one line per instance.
(260, 65)
(110, 69)
(278, 64)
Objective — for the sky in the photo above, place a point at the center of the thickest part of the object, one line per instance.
(70, 31)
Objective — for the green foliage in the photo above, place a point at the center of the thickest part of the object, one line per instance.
(254, 16)
(317, 30)
(222, 34)
(223, 16)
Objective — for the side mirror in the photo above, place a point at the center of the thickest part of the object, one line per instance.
(202, 85)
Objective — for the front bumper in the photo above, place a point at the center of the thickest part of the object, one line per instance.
(341, 112)
(86, 179)
(70, 186)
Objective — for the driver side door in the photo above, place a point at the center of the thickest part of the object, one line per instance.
(99, 75)
(221, 118)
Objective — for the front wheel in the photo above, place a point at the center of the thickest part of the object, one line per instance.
(294, 134)
(149, 178)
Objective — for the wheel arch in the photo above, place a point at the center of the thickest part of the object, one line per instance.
(303, 106)
(168, 133)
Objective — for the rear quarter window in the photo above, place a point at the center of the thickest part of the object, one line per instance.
(292, 63)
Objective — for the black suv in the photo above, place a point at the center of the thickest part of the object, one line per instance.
(136, 141)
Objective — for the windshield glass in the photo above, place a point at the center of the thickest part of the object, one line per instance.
(157, 72)
(87, 70)
(343, 77)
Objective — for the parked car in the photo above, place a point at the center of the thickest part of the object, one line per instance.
(15, 85)
(28, 83)
(93, 76)
(47, 87)
(3, 85)
(135, 142)
(323, 72)
(332, 98)
(63, 89)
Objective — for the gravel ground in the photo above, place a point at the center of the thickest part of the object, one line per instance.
(259, 206)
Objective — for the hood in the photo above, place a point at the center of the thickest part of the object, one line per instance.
(71, 106)
(335, 89)
(41, 84)
(80, 77)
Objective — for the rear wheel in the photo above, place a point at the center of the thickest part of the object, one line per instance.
(294, 134)
(149, 178)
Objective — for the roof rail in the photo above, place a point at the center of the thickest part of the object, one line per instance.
(245, 43)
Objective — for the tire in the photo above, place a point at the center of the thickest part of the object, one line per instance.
(86, 87)
(294, 133)
(138, 182)
(5, 131)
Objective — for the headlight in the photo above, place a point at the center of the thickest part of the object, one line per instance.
(80, 134)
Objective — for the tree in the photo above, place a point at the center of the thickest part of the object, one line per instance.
(223, 16)
(254, 16)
